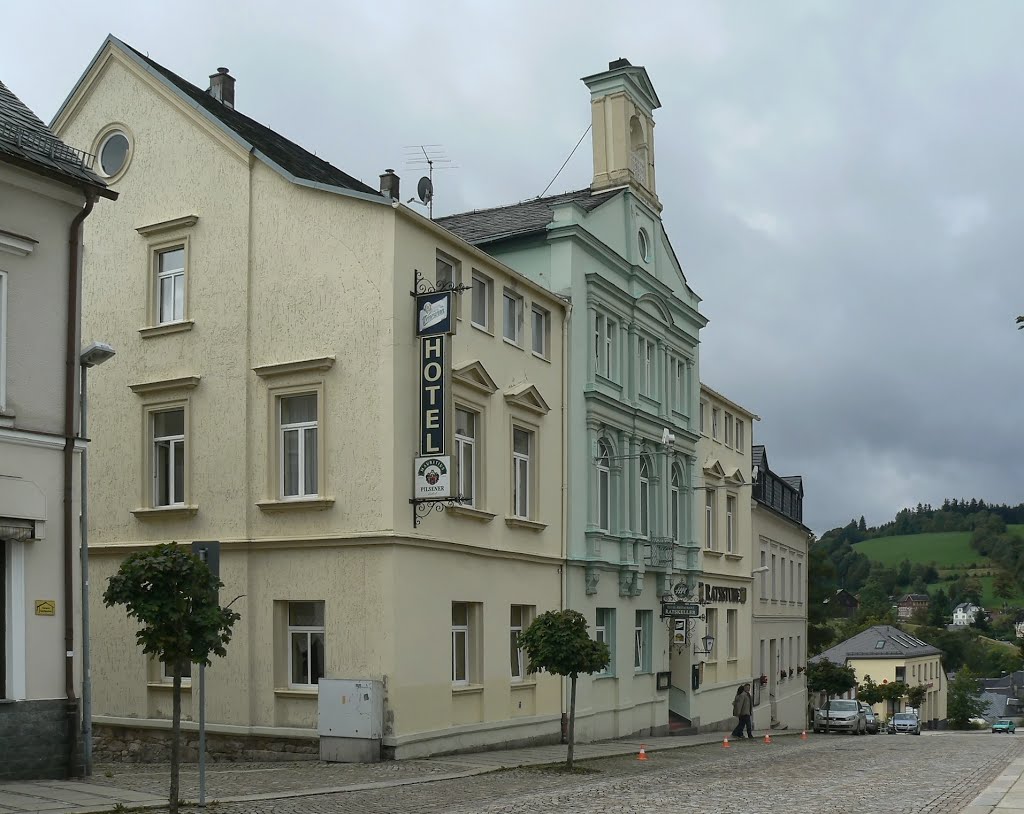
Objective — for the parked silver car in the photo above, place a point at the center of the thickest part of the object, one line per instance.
(844, 715)
(870, 719)
(904, 723)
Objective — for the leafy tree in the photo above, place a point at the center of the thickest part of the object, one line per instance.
(874, 600)
(557, 641)
(981, 622)
(173, 595)
(1003, 586)
(916, 696)
(832, 679)
(938, 608)
(892, 692)
(862, 527)
(964, 699)
(869, 692)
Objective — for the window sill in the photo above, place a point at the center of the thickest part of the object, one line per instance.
(603, 676)
(524, 684)
(482, 328)
(467, 689)
(542, 357)
(169, 512)
(710, 552)
(167, 328)
(523, 523)
(186, 685)
(735, 557)
(315, 503)
(732, 660)
(294, 692)
(607, 381)
(511, 342)
(469, 511)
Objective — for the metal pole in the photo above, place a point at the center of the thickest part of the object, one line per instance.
(86, 668)
(202, 735)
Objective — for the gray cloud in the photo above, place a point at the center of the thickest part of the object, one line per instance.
(840, 181)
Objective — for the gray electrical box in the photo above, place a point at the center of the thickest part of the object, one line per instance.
(350, 720)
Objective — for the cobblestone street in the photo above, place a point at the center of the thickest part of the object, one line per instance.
(933, 774)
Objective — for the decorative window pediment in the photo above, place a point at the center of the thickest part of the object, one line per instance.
(474, 374)
(175, 224)
(735, 475)
(180, 383)
(528, 397)
(714, 468)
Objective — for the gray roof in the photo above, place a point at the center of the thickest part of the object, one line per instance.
(796, 481)
(757, 456)
(916, 598)
(28, 143)
(516, 220)
(865, 645)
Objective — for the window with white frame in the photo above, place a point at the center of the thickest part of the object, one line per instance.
(792, 580)
(512, 310)
(773, 577)
(642, 641)
(520, 618)
(709, 519)
(674, 496)
(679, 386)
(764, 574)
(540, 320)
(603, 486)
(711, 617)
(728, 429)
(714, 423)
(645, 498)
(461, 642)
(703, 426)
(739, 436)
(297, 427)
(170, 284)
(645, 367)
(305, 643)
(447, 272)
(800, 582)
(782, 580)
(730, 524)
(483, 293)
(522, 453)
(168, 434)
(466, 429)
(3, 344)
(167, 672)
(604, 631)
(731, 633)
(604, 337)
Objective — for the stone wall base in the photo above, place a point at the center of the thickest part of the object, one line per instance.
(121, 744)
(34, 740)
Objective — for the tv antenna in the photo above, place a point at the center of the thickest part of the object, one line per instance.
(431, 156)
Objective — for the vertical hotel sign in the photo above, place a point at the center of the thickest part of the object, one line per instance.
(432, 468)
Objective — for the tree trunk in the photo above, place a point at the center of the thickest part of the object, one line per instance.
(572, 721)
(828, 722)
(172, 801)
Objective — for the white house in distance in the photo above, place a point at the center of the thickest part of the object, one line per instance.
(965, 613)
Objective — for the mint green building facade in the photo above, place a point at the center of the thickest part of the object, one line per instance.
(633, 402)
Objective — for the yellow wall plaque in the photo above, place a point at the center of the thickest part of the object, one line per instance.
(46, 607)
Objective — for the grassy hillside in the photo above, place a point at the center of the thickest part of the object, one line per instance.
(949, 549)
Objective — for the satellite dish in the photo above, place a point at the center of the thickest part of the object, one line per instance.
(425, 190)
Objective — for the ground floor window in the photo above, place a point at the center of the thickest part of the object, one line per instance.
(305, 643)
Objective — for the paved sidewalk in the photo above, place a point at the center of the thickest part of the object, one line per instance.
(142, 786)
(1004, 794)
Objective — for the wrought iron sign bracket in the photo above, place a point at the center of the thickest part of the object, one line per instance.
(423, 506)
(421, 285)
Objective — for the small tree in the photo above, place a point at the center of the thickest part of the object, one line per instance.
(173, 594)
(892, 692)
(832, 679)
(964, 700)
(916, 696)
(869, 692)
(558, 642)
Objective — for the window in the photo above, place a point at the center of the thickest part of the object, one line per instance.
(483, 290)
(739, 436)
(541, 320)
(447, 272)
(461, 642)
(728, 429)
(170, 285)
(645, 498)
(520, 618)
(642, 641)
(764, 574)
(674, 497)
(679, 386)
(711, 615)
(773, 576)
(703, 426)
(305, 643)
(799, 653)
(604, 333)
(782, 581)
(298, 444)
(522, 451)
(168, 433)
(603, 486)
(645, 367)
(114, 153)
(3, 346)
(513, 311)
(730, 524)
(604, 631)
(731, 633)
(465, 454)
(714, 423)
(643, 244)
(167, 673)
(709, 519)
(792, 582)
(799, 582)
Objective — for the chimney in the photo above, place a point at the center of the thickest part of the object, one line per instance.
(621, 62)
(389, 184)
(222, 87)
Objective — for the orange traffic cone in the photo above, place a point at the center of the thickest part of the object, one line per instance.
(725, 743)
(803, 735)
(767, 738)
(643, 753)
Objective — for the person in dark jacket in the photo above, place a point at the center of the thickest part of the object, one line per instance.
(743, 709)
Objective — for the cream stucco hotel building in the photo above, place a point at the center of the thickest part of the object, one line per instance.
(264, 394)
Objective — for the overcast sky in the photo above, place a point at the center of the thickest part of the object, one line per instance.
(840, 180)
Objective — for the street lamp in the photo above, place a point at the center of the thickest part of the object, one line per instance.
(95, 354)
(709, 643)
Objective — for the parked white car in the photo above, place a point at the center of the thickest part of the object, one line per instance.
(844, 715)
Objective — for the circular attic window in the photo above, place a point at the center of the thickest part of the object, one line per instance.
(113, 152)
(644, 244)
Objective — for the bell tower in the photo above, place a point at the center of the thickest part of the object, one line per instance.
(622, 103)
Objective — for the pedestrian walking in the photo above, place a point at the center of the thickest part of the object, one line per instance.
(742, 708)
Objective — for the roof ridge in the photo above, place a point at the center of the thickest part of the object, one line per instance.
(538, 199)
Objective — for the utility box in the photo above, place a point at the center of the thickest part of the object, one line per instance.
(350, 720)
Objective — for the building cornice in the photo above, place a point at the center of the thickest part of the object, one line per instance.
(18, 245)
(162, 385)
(318, 364)
(184, 222)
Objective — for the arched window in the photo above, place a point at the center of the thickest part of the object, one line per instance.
(603, 486)
(645, 498)
(637, 150)
(674, 505)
